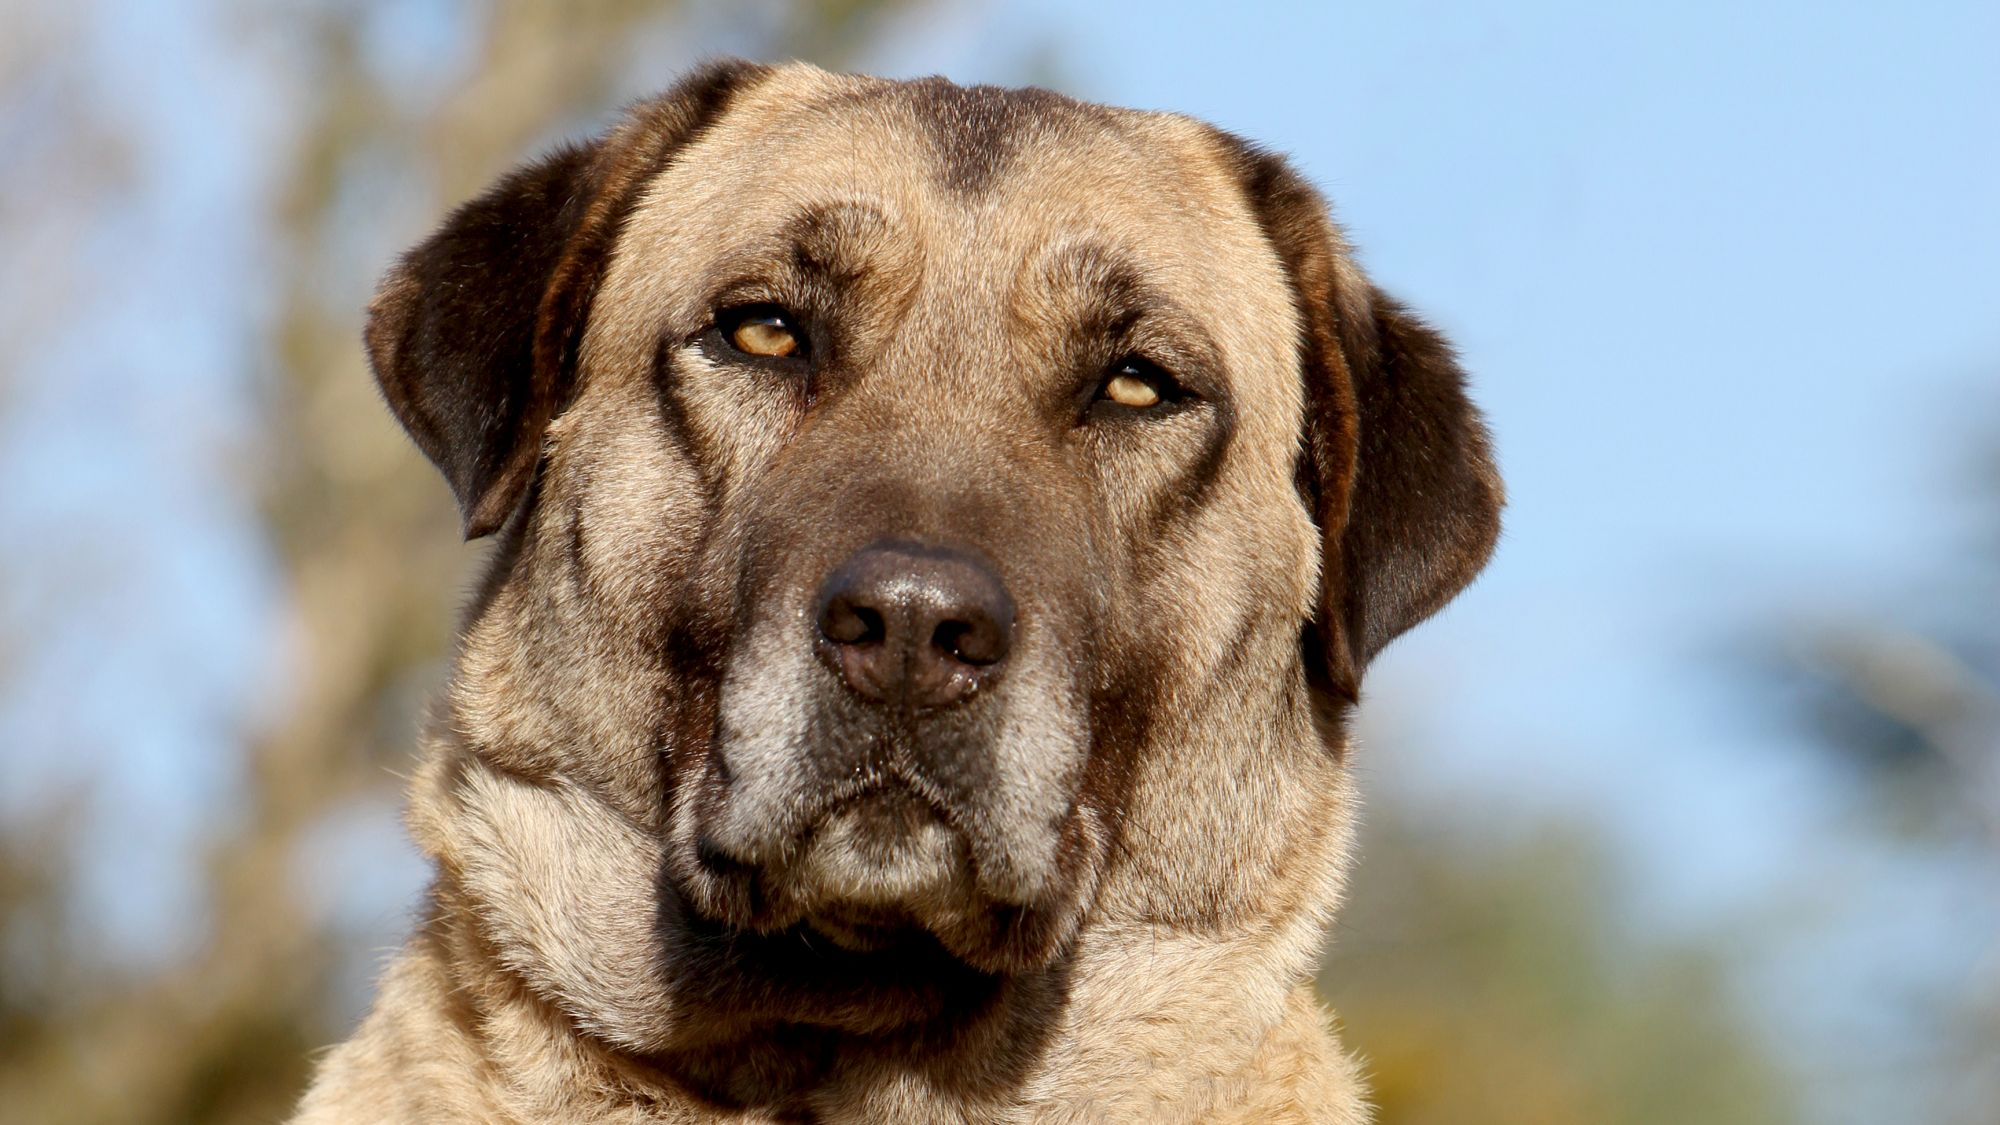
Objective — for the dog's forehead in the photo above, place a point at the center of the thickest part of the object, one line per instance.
(986, 152)
(990, 185)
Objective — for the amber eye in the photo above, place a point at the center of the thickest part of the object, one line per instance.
(1130, 390)
(761, 330)
(1137, 384)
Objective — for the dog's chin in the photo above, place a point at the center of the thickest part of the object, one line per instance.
(880, 871)
(878, 866)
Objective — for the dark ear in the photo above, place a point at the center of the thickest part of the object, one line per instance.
(1423, 514)
(473, 335)
(1396, 464)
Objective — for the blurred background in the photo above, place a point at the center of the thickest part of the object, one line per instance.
(1688, 811)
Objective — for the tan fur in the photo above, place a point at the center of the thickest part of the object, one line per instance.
(552, 797)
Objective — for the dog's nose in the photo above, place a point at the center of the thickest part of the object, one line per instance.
(915, 626)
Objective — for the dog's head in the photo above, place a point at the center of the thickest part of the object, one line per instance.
(908, 496)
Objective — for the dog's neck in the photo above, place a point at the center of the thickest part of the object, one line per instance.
(1155, 1025)
(1170, 1001)
(1150, 1019)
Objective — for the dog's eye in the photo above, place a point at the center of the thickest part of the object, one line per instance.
(761, 330)
(1131, 390)
(1137, 384)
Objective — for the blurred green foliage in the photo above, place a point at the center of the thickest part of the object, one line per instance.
(1486, 979)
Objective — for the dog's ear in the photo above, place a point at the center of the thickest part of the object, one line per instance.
(473, 334)
(1396, 464)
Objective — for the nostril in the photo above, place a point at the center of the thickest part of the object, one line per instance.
(969, 642)
(845, 623)
(948, 638)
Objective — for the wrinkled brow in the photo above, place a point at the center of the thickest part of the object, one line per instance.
(821, 252)
(1104, 295)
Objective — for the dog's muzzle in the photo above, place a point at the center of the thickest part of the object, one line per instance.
(899, 764)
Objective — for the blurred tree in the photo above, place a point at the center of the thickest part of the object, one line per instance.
(386, 137)
(62, 160)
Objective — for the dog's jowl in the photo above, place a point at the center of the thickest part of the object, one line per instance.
(939, 533)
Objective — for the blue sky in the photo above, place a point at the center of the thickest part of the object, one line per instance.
(1727, 280)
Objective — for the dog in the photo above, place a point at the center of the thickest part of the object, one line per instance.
(939, 535)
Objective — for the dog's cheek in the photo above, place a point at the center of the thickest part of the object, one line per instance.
(568, 887)
(553, 703)
(627, 504)
(563, 672)
(1199, 577)
(1259, 537)
(1206, 627)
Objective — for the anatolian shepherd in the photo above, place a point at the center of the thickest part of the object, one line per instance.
(940, 532)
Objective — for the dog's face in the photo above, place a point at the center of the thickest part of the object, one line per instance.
(903, 488)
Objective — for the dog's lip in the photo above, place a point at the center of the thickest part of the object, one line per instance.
(864, 855)
(883, 849)
(950, 902)
(885, 800)
(738, 843)
(865, 929)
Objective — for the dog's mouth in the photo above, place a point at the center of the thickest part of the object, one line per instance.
(880, 863)
(883, 854)
(818, 810)
(876, 858)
